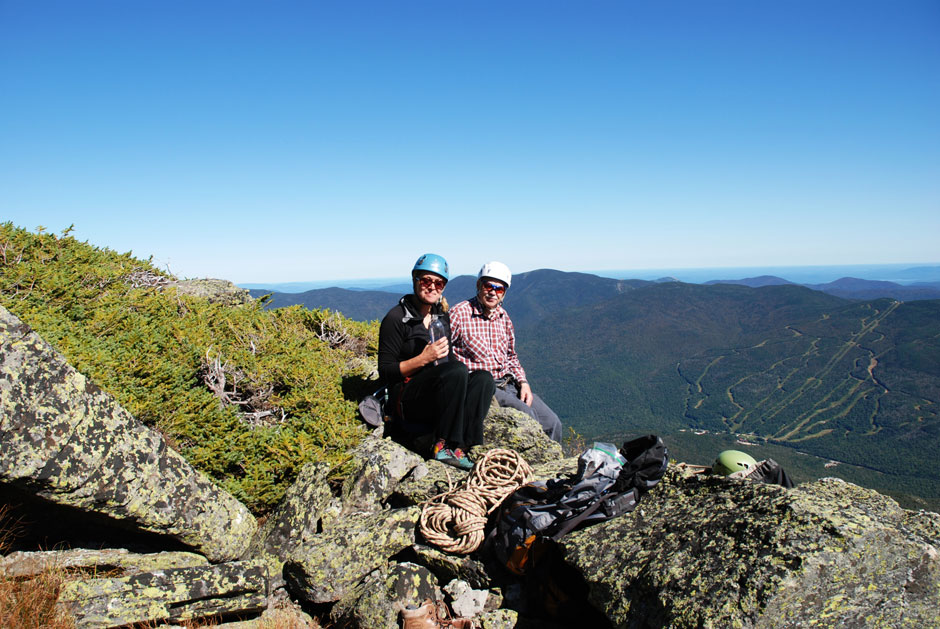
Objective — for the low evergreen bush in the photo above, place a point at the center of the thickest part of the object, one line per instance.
(247, 395)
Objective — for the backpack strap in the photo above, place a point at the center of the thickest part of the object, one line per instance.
(616, 504)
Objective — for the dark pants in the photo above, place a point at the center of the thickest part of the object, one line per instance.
(448, 402)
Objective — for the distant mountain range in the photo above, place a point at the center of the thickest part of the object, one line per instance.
(533, 295)
(852, 287)
(361, 305)
(804, 275)
(536, 293)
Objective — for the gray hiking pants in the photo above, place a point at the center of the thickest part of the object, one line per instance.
(508, 395)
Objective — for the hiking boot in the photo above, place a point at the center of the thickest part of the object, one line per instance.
(463, 461)
(431, 615)
(423, 617)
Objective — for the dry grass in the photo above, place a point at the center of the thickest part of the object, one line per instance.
(29, 603)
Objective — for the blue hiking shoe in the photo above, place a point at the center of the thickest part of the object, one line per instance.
(463, 461)
(446, 456)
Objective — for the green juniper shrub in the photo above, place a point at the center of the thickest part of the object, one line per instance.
(247, 395)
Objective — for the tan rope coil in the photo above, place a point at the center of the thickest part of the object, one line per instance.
(454, 521)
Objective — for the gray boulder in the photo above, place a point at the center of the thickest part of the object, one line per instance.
(709, 551)
(212, 290)
(324, 568)
(298, 518)
(376, 602)
(514, 430)
(174, 594)
(464, 600)
(378, 466)
(68, 442)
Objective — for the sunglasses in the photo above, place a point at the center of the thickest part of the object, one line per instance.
(428, 282)
(496, 288)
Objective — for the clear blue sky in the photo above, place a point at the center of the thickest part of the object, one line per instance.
(288, 141)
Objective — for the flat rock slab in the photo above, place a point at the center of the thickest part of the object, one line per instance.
(105, 561)
(298, 518)
(67, 441)
(168, 595)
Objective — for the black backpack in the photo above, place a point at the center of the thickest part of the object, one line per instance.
(608, 483)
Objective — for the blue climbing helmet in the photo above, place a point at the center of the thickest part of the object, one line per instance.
(433, 263)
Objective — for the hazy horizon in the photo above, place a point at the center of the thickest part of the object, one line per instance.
(804, 274)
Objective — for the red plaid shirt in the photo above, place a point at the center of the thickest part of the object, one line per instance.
(483, 343)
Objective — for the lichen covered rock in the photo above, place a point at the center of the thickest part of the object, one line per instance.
(173, 594)
(448, 567)
(498, 619)
(428, 480)
(213, 290)
(104, 561)
(377, 601)
(514, 430)
(297, 519)
(67, 441)
(325, 568)
(717, 552)
(379, 465)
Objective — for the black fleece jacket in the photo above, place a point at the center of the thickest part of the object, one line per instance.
(402, 335)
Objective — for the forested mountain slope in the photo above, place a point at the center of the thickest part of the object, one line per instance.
(856, 382)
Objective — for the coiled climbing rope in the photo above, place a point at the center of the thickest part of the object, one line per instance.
(454, 521)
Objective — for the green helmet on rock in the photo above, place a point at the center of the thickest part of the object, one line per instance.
(432, 263)
(731, 461)
(496, 271)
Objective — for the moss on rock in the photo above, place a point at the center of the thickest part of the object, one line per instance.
(325, 568)
(172, 594)
(69, 442)
(717, 552)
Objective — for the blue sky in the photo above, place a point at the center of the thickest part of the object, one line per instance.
(289, 141)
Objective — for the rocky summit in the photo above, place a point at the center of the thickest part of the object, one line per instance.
(144, 538)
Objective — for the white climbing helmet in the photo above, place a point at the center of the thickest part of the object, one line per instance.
(497, 271)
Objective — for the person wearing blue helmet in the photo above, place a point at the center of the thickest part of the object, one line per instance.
(432, 394)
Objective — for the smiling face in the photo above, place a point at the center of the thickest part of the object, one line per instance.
(490, 292)
(428, 287)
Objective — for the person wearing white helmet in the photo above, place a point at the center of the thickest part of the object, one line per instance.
(483, 338)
